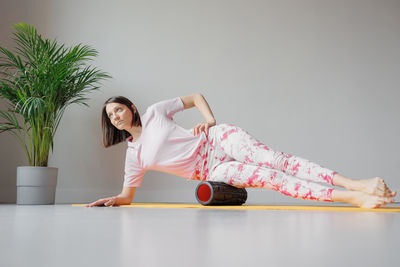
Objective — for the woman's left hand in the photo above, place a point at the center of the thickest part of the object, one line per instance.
(204, 126)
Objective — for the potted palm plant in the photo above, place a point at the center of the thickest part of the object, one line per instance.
(39, 80)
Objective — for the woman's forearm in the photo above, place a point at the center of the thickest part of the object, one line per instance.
(202, 105)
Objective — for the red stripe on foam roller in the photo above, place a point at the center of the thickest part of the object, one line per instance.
(204, 193)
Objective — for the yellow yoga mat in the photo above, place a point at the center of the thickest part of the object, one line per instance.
(258, 207)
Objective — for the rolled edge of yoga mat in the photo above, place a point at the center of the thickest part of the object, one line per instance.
(218, 193)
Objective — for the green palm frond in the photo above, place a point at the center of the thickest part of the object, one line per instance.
(40, 80)
(12, 121)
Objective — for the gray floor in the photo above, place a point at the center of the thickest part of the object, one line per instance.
(65, 235)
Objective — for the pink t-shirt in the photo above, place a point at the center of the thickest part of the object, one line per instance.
(163, 145)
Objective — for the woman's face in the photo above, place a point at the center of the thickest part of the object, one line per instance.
(119, 115)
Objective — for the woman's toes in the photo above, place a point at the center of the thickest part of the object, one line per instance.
(388, 200)
(388, 193)
(378, 204)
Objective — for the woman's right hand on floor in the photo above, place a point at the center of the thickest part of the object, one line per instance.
(110, 201)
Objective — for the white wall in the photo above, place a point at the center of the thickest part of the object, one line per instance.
(317, 79)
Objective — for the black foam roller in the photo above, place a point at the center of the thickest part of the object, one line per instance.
(219, 193)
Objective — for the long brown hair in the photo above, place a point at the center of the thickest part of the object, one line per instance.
(111, 135)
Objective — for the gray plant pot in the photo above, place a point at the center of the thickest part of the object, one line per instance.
(36, 185)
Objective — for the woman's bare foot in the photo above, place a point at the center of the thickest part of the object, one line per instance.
(375, 186)
(361, 199)
(367, 201)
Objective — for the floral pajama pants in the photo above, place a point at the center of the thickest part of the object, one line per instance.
(231, 155)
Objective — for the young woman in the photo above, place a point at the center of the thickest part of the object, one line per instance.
(223, 152)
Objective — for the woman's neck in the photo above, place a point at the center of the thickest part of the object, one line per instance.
(135, 131)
